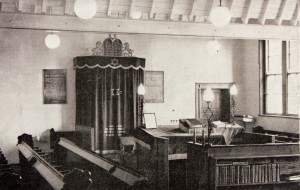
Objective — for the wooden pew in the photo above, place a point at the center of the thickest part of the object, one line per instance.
(8, 178)
(4, 166)
(40, 167)
(96, 162)
(105, 173)
(279, 136)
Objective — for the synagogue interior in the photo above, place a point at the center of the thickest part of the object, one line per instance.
(149, 94)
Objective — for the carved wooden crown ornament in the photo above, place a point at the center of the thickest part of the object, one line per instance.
(113, 47)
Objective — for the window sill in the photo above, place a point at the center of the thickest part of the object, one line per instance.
(280, 116)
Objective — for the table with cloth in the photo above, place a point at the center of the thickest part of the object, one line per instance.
(178, 139)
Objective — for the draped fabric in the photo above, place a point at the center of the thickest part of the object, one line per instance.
(107, 99)
(111, 62)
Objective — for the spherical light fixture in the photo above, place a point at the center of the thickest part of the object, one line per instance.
(213, 47)
(52, 41)
(220, 16)
(85, 9)
(136, 15)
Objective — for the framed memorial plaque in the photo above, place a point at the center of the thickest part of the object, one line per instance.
(154, 86)
(55, 86)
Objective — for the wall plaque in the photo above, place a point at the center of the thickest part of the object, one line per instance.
(154, 85)
(55, 86)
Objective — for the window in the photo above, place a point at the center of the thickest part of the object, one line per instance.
(293, 78)
(281, 76)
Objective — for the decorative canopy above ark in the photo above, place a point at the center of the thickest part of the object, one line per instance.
(103, 62)
(111, 53)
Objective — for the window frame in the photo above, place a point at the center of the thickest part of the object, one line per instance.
(264, 56)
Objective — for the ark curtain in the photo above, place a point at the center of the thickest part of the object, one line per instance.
(107, 99)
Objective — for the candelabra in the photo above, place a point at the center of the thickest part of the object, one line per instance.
(208, 97)
(141, 112)
(233, 108)
(141, 93)
(209, 114)
(233, 93)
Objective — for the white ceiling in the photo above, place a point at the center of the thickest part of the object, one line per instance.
(262, 12)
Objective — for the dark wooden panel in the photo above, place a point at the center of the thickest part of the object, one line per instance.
(225, 105)
(177, 174)
(197, 163)
(202, 162)
(252, 138)
(162, 145)
(253, 150)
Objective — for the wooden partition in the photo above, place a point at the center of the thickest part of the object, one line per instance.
(253, 138)
(151, 159)
(81, 138)
(205, 165)
(156, 151)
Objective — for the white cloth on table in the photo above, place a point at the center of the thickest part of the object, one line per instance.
(228, 131)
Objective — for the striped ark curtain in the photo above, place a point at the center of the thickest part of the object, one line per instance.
(107, 99)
